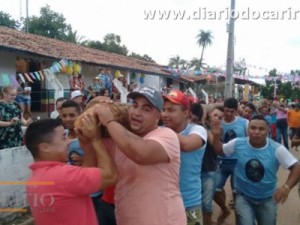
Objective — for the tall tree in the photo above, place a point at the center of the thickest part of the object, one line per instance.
(7, 21)
(177, 62)
(145, 57)
(240, 67)
(94, 44)
(75, 38)
(283, 88)
(204, 38)
(196, 64)
(50, 24)
(112, 43)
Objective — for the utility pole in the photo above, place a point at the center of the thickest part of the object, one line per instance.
(230, 54)
(27, 19)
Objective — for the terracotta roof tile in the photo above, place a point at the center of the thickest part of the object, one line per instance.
(16, 40)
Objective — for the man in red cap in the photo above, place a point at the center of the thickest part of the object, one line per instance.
(192, 138)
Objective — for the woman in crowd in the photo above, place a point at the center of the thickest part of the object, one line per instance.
(11, 120)
(23, 98)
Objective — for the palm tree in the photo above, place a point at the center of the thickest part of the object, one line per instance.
(197, 64)
(177, 61)
(204, 38)
(75, 38)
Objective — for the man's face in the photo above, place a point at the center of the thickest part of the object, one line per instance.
(247, 113)
(143, 116)
(78, 99)
(216, 115)
(59, 145)
(241, 109)
(106, 93)
(68, 116)
(258, 131)
(194, 119)
(58, 106)
(264, 111)
(174, 115)
(229, 114)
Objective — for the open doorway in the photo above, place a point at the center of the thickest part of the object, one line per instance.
(36, 88)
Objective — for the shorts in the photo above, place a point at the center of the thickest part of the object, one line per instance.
(23, 100)
(226, 169)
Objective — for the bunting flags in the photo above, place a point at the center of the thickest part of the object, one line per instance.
(221, 73)
(56, 67)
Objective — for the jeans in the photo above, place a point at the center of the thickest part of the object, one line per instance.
(106, 213)
(226, 169)
(282, 130)
(249, 210)
(208, 180)
(96, 204)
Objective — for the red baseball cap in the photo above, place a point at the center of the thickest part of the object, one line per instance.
(178, 97)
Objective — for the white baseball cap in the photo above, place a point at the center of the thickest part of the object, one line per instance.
(75, 94)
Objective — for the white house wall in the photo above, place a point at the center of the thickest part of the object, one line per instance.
(149, 80)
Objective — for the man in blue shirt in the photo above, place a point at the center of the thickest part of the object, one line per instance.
(259, 159)
(233, 127)
(192, 138)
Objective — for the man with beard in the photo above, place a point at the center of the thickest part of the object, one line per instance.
(148, 159)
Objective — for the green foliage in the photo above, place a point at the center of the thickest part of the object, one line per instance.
(53, 25)
(75, 38)
(50, 24)
(176, 62)
(196, 63)
(240, 67)
(112, 43)
(94, 44)
(144, 57)
(283, 89)
(204, 38)
(7, 21)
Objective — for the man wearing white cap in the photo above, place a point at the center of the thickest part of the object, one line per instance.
(77, 96)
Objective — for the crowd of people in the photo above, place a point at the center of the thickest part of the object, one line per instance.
(166, 166)
(15, 102)
(104, 84)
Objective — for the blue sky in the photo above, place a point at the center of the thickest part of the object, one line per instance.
(264, 43)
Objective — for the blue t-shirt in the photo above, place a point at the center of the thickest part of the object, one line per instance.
(268, 118)
(74, 147)
(235, 129)
(190, 168)
(106, 81)
(255, 172)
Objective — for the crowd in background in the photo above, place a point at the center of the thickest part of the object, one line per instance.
(218, 140)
